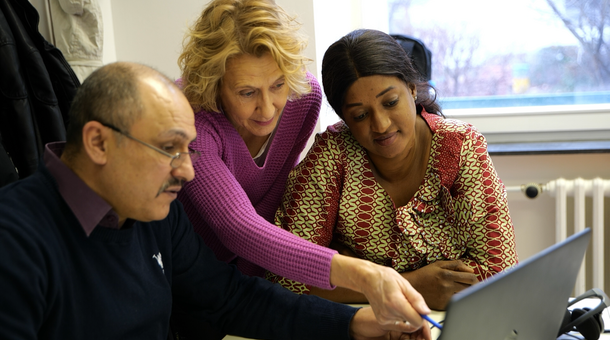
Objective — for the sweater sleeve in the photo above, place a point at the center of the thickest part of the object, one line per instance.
(246, 306)
(482, 208)
(310, 204)
(218, 198)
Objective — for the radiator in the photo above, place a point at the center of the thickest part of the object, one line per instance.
(578, 188)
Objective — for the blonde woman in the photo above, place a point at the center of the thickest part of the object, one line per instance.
(256, 106)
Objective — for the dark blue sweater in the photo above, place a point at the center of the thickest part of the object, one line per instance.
(56, 283)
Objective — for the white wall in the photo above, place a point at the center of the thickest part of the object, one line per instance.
(152, 31)
(534, 218)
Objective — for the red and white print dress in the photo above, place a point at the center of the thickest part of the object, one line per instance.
(460, 210)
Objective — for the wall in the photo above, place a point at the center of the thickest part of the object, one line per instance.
(44, 23)
(534, 219)
(152, 31)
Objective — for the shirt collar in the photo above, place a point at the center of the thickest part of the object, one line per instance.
(88, 207)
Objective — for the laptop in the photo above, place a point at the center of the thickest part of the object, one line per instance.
(526, 302)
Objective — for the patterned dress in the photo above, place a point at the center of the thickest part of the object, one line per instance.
(460, 210)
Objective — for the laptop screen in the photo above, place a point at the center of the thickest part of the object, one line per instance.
(526, 302)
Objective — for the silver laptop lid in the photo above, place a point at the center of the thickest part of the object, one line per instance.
(526, 302)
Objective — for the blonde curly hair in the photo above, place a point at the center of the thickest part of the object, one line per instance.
(230, 28)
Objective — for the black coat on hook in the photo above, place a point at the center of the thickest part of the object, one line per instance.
(37, 86)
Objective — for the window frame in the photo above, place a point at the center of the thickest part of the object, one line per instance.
(500, 125)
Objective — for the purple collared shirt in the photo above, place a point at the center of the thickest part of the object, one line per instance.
(88, 207)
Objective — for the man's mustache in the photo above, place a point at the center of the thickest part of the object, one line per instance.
(172, 182)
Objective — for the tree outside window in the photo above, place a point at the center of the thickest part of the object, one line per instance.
(512, 52)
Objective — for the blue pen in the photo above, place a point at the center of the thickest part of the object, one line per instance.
(434, 323)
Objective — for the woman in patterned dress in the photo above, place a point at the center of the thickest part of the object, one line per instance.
(395, 182)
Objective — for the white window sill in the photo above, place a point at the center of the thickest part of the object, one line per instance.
(541, 124)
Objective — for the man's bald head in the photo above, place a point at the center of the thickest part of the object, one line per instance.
(110, 95)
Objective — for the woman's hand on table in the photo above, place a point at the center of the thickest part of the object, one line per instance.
(438, 281)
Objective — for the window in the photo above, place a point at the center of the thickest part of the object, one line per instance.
(513, 68)
(513, 52)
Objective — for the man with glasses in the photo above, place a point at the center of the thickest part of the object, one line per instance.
(94, 245)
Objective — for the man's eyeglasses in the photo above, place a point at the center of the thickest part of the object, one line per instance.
(177, 158)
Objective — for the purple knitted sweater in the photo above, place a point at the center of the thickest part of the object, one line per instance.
(232, 201)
